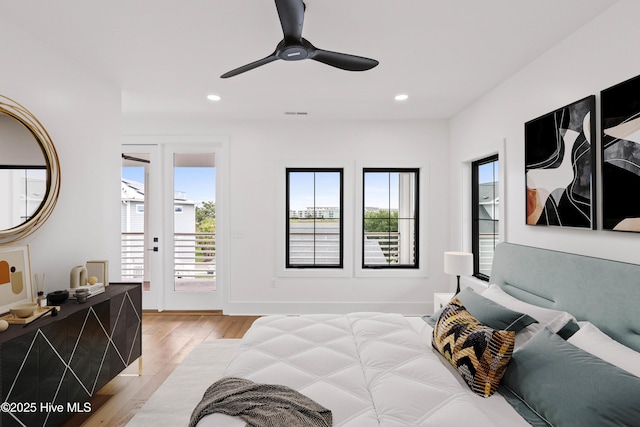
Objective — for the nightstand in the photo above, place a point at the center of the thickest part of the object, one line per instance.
(440, 299)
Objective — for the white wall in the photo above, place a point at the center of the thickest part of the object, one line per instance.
(258, 151)
(599, 55)
(81, 112)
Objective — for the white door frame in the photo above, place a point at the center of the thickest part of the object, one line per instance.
(152, 298)
(163, 294)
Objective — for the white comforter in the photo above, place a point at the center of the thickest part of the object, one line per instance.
(370, 369)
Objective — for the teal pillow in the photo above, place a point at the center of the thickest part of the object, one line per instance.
(567, 386)
(488, 312)
(432, 319)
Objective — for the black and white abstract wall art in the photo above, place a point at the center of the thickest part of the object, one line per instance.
(620, 109)
(560, 166)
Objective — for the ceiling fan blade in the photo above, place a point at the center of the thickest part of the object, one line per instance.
(343, 60)
(250, 66)
(291, 13)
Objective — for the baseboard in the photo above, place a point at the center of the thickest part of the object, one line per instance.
(250, 308)
(183, 312)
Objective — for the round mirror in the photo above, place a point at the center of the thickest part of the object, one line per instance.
(29, 172)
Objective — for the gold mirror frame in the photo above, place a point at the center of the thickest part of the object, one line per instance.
(24, 116)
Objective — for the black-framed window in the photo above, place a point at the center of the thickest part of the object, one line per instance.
(390, 226)
(314, 206)
(485, 214)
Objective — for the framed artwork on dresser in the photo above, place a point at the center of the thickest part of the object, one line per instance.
(15, 277)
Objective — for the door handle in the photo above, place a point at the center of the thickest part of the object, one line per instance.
(155, 248)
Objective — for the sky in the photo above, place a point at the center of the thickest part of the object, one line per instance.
(487, 173)
(199, 184)
(381, 190)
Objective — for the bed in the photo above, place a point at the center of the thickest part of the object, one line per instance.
(568, 353)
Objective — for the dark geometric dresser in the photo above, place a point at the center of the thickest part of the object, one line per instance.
(52, 367)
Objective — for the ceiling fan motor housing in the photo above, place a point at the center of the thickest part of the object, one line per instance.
(292, 52)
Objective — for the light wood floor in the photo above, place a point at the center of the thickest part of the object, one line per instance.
(167, 338)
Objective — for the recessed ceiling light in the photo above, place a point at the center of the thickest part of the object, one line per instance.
(213, 97)
(402, 97)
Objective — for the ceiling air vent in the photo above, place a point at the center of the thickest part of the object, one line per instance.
(295, 113)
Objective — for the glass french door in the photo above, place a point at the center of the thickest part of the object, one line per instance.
(169, 224)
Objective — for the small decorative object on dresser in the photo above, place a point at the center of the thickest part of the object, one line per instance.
(99, 270)
(23, 310)
(78, 276)
(81, 295)
(57, 297)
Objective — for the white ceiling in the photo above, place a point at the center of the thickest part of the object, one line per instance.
(167, 55)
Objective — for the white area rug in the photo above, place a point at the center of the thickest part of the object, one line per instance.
(173, 402)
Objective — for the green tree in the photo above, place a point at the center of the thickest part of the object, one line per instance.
(206, 217)
(381, 221)
(206, 223)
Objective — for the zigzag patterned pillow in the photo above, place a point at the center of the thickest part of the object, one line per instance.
(479, 353)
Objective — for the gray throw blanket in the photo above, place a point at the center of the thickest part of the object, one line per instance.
(261, 405)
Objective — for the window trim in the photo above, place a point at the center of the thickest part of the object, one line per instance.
(279, 181)
(288, 264)
(475, 201)
(389, 266)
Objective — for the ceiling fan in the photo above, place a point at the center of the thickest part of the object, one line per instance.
(294, 47)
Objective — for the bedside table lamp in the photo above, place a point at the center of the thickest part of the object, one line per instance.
(458, 263)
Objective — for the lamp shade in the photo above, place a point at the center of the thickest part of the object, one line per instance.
(458, 263)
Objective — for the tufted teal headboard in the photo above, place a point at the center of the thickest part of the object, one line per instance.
(604, 292)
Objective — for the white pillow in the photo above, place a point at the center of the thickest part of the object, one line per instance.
(546, 317)
(592, 340)
(525, 334)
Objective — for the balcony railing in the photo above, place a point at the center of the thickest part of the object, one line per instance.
(194, 255)
(487, 245)
(381, 248)
(132, 256)
(323, 247)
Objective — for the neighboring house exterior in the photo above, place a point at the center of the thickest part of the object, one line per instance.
(133, 225)
(489, 206)
(329, 212)
(132, 210)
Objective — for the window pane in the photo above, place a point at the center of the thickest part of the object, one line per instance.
(485, 216)
(194, 222)
(300, 194)
(314, 227)
(134, 258)
(389, 223)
